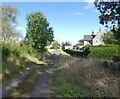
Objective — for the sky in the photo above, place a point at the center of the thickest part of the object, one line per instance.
(70, 20)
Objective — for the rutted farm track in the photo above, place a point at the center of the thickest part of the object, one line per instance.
(36, 88)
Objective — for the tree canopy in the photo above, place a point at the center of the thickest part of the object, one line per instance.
(109, 38)
(9, 22)
(110, 15)
(39, 33)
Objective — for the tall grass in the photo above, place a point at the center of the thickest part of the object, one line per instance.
(79, 77)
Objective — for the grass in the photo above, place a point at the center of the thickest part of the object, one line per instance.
(60, 87)
(83, 78)
(16, 58)
(24, 87)
(14, 65)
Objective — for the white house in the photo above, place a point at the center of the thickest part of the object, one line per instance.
(93, 39)
(97, 40)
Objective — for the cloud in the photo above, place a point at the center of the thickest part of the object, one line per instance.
(90, 5)
(77, 13)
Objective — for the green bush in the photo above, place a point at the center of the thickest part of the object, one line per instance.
(5, 51)
(16, 49)
(116, 58)
(101, 51)
(77, 52)
(29, 49)
(74, 52)
(104, 51)
(55, 46)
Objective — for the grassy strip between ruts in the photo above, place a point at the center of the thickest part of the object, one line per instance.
(24, 87)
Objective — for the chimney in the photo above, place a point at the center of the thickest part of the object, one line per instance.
(92, 32)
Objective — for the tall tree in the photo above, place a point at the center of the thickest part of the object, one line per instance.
(38, 31)
(110, 15)
(9, 21)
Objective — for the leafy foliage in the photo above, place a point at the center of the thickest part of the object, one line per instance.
(16, 58)
(67, 43)
(110, 11)
(9, 21)
(109, 38)
(107, 51)
(116, 58)
(78, 52)
(104, 51)
(39, 34)
(15, 49)
(117, 33)
(110, 14)
(55, 45)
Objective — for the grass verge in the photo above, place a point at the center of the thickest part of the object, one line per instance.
(83, 78)
(16, 58)
(23, 88)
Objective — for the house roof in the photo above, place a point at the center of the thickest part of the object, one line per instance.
(87, 37)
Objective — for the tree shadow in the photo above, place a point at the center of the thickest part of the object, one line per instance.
(13, 66)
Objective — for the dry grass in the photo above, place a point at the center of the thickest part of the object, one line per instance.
(14, 65)
(90, 75)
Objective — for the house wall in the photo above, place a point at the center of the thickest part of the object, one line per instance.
(68, 47)
(98, 39)
(86, 43)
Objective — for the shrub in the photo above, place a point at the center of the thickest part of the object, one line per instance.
(74, 52)
(103, 51)
(116, 58)
(55, 45)
(78, 52)
(16, 58)
(5, 51)
(16, 49)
